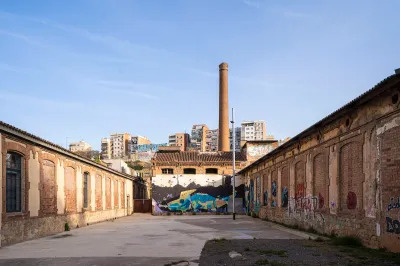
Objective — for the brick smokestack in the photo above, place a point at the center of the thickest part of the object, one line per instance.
(223, 134)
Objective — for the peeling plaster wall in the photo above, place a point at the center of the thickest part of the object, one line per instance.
(361, 148)
(34, 181)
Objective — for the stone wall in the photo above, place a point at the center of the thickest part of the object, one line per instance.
(53, 191)
(341, 176)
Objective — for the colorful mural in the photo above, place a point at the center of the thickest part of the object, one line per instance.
(195, 198)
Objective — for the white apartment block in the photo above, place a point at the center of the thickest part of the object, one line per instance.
(254, 130)
(79, 146)
(119, 145)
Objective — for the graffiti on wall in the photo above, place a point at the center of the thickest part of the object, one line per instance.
(393, 204)
(194, 198)
(285, 197)
(274, 187)
(392, 226)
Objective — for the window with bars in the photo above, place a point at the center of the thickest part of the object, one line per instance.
(14, 164)
(85, 189)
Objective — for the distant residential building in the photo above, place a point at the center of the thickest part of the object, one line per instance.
(119, 144)
(79, 146)
(198, 137)
(105, 148)
(212, 140)
(135, 141)
(253, 130)
(238, 133)
(119, 165)
(180, 140)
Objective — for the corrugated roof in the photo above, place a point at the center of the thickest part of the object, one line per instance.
(196, 157)
(366, 96)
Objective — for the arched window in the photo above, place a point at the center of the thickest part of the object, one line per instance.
(85, 189)
(14, 175)
(189, 171)
(213, 171)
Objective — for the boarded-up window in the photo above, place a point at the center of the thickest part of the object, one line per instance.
(48, 194)
(116, 194)
(274, 188)
(285, 186)
(300, 177)
(351, 177)
(122, 195)
(265, 189)
(320, 176)
(108, 193)
(99, 193)
(70, 189)
(390, 167)
(86, 190)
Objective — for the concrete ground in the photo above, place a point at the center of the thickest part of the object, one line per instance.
(141, 240)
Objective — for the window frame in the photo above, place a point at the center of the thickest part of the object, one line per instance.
(86, 178)
(167, 171)
(21, 173)
(189, 172)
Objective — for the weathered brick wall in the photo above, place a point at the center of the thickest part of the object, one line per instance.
(342, 175)
(99, 193)
(70, 190)
(51, 195)
(108, 193)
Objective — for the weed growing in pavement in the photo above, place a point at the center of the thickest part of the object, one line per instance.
(66, 227)
(262, 262)
(281, 253)
(218, 239)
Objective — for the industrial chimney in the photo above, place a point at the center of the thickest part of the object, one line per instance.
(223, 134)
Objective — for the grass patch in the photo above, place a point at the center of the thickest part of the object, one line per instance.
(262, 262)
(217, 240)
(350, 241)
(276, 263)
(281, 253)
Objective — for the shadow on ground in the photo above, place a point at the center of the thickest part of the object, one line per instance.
(290, 252)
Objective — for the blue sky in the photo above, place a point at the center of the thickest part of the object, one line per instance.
(85, 69)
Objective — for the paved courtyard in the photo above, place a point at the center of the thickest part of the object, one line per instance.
(140, 240)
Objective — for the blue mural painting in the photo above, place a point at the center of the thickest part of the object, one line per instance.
(274, 188)
(285, 197)
(194, 198)
(265, 198)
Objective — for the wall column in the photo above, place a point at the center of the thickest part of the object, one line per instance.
(93, 191)
(34, 181)
(333, 179)
(60, 186)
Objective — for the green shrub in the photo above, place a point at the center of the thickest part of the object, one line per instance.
(66, 227)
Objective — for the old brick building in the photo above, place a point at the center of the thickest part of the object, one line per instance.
(339, 176)
(203, 176)
(45, 187)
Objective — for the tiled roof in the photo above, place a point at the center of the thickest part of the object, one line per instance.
(366, 96)
(192, 156)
